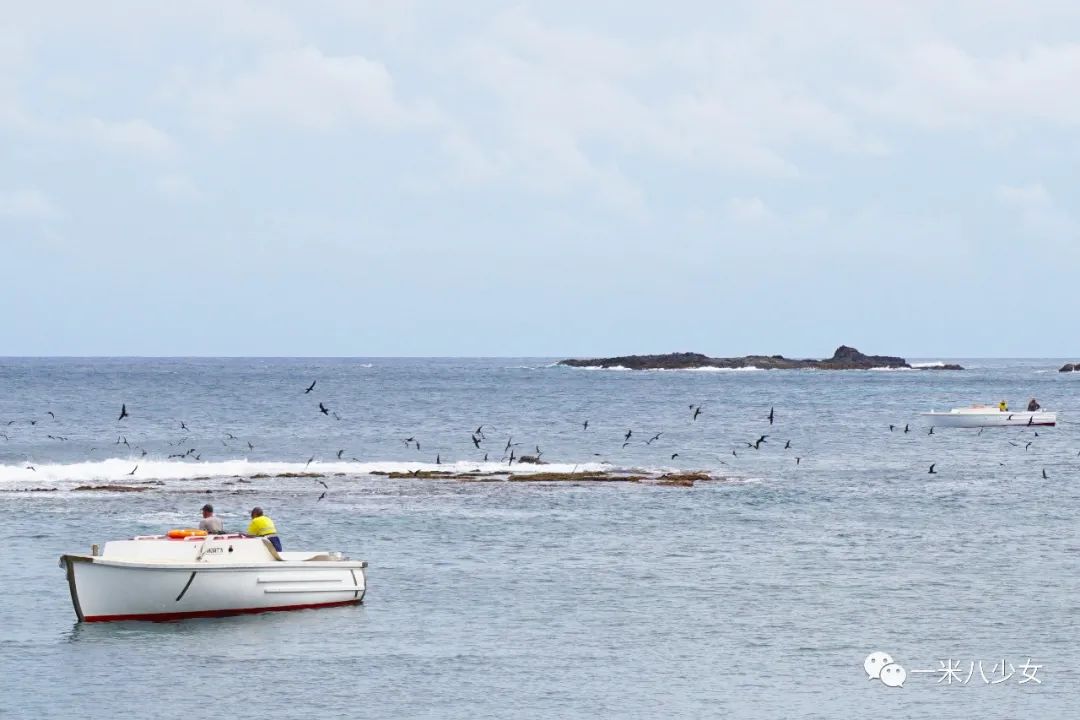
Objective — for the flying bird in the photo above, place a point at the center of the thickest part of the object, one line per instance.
(476, 442)
(696, 412)
(182, 425)
(931, 430)
(585, 425)
(907, 429)
(250, 446)
(123, 412)
(1045, 477)
(339, 453)
(674, 455)
(310, 460)
(321, 496)
(654, 438)
(628, 434)
(310, 387)
(772, 414)
(798, 460)
(51, 414)
(323, 484)
(323, 409)
(891, 427)
(133, 470)
(932, 471)
(787, 445)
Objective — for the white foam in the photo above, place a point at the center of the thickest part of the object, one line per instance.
(935, 364)
(117, 470)
(892, 369)
(708, 368)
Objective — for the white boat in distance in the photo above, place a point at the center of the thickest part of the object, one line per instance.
(979, 416)
(171, 578)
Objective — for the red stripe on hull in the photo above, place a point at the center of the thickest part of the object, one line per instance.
(165, 617)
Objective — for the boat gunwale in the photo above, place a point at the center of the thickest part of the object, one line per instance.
(219, 567)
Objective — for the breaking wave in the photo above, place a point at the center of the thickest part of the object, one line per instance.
(119, 470)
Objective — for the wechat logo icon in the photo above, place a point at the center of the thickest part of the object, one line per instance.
(880, 666)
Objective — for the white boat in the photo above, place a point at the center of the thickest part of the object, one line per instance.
(989, 416)
(164, 578)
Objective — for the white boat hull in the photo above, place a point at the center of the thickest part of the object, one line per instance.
(104, 589)
(969, 418)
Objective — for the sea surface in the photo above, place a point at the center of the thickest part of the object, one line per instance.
(755, 595)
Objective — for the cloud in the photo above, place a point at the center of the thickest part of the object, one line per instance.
(27, 204)
(563, 108)
(131, 136)
(939, 85)
(303, 87)
(178, 188)
(1039, 214)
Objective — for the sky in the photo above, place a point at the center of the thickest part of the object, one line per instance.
(350, 178)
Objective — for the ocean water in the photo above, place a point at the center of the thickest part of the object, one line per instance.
(756, 595)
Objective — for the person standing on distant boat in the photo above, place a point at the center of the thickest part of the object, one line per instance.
(262, 526)
(1003, 406)
(210, 522)
(1033, 405)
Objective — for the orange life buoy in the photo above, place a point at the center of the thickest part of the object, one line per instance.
(186, 532)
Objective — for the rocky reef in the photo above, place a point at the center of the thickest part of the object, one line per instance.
(845, 358)
(1070, 367)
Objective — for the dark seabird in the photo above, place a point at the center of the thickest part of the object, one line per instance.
(674, 455)
(133, 470)
(310, 387)
(323, 409)
(123, 412)
(932, 471)
(772, 414)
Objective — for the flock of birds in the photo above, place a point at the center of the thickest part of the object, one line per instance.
(479, 439)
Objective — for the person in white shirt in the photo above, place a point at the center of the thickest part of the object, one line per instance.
(210, 522)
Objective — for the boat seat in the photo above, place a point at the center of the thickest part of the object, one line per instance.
(273, 550)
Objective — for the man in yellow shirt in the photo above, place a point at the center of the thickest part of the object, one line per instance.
(262, 526)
